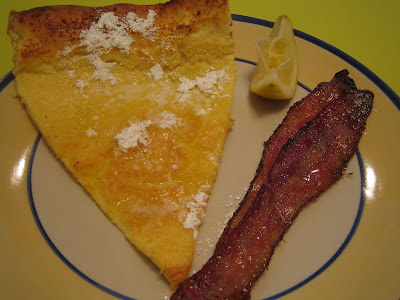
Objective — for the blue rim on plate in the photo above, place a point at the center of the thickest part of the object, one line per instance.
(352, 61)
(8, 78)
(394, 98)
(121, 296)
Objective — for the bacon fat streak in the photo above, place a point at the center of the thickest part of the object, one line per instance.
(306, 165)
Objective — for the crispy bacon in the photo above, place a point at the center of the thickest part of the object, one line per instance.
(298, 115)
(306, 165)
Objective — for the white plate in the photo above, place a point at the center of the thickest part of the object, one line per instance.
(59, 244)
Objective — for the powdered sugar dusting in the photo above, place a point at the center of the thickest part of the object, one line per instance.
(102, 69)
(210, 83)
(110, 32)
(90, 132)
(156, 72)
(203, 111)
(67, 50)
(81, 84)
(192, 218)
(71, 74)
(144, 26)
(231, 204)
(167, 120)
(137, 132)
(131, 136)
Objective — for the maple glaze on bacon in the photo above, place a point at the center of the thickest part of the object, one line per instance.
(298, 115)
(306, 165)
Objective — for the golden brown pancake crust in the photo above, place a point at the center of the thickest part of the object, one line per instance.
(38, 34)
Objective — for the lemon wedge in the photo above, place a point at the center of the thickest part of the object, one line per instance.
(275, 76)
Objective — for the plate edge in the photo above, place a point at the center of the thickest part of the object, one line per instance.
(389, 92)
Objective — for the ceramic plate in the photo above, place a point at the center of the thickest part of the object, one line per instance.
(58, 244)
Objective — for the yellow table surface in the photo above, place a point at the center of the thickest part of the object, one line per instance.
(367, 31)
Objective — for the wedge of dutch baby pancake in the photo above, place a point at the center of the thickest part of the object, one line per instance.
(135, 102)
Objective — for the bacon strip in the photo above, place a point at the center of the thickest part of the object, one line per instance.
(306, 166)
(298, 115)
